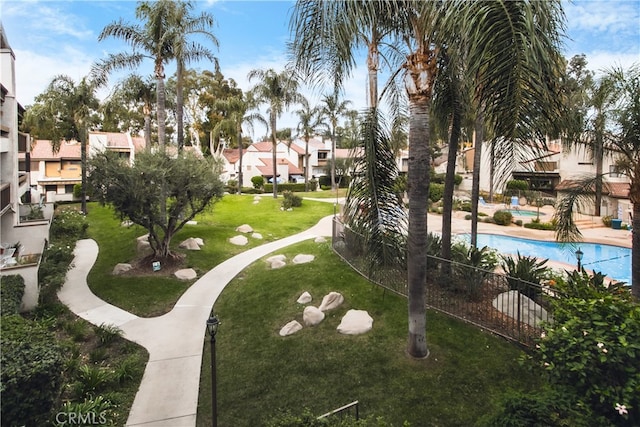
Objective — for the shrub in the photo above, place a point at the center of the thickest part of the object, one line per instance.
(465, 206)
(288, 186)
(606, 220)
(517, 184)
(232, 186)
(471, 267)
(98, 411)
(251, 190)
(540, 225)
(518, 222)
(68, 224)
(590, 351)
(32, 364)
(502, 217)
(291, 200)
(257, 181)
(313, 184)
(522, 271)
(91, 379)
(457, 179)
(468, 217)
(436, 191)
(77, 191)
(11, 292)
(107, 333)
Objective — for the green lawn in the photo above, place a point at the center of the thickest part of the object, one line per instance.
(464, 377)
(156, 294)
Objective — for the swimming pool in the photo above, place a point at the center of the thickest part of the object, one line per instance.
(614, 261)
(523, 212)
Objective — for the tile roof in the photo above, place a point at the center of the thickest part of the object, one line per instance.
(262, 146)
(41, 149)
(618, 190)
(114, 139)
(231, 154)
(267, 169)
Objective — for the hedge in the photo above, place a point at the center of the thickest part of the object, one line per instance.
(502, 217)
(540, 225)
(285, 186)
(31, 378)
(11, 292)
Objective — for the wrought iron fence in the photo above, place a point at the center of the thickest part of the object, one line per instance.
(504, 305)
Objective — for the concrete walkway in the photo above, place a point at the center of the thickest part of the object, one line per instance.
(168, 393)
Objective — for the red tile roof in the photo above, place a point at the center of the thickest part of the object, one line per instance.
(262, 146)
(231, 154)
(618, 190)
(41, 149)
(267, 169)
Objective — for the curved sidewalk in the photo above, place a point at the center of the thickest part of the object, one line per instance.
(168, 393)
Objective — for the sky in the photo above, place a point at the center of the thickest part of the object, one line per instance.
(51, 37)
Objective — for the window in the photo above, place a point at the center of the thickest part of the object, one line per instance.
(51, 188)
(614, 172)
(322, 155)
(68, 189)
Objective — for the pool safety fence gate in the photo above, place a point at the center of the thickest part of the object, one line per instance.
(504, 305)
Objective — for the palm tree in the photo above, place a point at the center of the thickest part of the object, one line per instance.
(332, 109)
(624, 145)
(278, 91)
(183, 26)
(235, 116)
(309, 121)
(152, 40)
(493, 32)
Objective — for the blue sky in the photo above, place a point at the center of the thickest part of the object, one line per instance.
(60, 37)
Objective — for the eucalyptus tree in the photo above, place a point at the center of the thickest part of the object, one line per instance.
(130, 103)
(185, 51)
(278, 91)
(309, 121)
(501, 44)
(332, 108)
(235, 116)
(66, 111)
(623, 144)
(151, 40)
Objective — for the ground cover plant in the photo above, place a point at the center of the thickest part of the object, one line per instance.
(146, 293)
(465, 376)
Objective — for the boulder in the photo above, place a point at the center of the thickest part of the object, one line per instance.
(121, 268)
(303, 258)
(331, 301)
(186, 274)
(312, 315)
(199, 241)
(276, 258)
(277, 264)
(257, 236)
(320, 239)
(305, 298)
(530, 312)
(355, 322)
(190, 244)
(244, 228)
(290, 328)
(192, 222)
(143, 238)
(239, 240)
(143, 246)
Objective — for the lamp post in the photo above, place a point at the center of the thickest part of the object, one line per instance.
(579, 254)
(212, 329)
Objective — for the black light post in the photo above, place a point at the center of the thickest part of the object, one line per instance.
(579, 254)
(212, 329)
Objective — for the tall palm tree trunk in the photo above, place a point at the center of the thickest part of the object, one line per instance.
(240, 177)
(475, 186)
(306, 164)
(598, 154)
(147, 127)
(418, 183)
(333, 161)
(179, 105)
(274, 144)
(161, 99)
(83, 168)
(372, 67)
(449, 183)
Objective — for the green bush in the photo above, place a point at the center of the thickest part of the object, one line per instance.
(251, 190)
(11, 292)
(540, 225)
(517, 184)
(257, 181)
(606, 220)
(291, 200)
(436, 191)
(268, 188)
(465, 206)
(457, 179)
(518, 222)
(77, 191)
(31, 375)
(53, 268)
(232, 186)
(502, 217)
(468, 217)
(68, 224)
(590, 351)
(98, 411)
(522, 271)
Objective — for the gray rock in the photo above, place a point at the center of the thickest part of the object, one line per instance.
(121, 268)
(303, 258)
(312, 315)
(305, 298)
(355, 322)
(244, 228)
(239, 240)
(290, 328)
(186, 274)
(277, 264)
(531, 313)
(331, 301)
(320, 239)
(276, 258)
(257, 236)
(190, 244)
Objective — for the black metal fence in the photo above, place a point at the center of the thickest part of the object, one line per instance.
(504, 305)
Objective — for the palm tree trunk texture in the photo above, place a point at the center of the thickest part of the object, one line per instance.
(333, 161)
(83, 168)
(179, 105)
(274, 143)
(418, 183)
(449, 183)
(599, 164)
(475, 186)
(161, 98)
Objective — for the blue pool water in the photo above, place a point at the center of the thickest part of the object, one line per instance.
(614, 261)
(523, 212)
